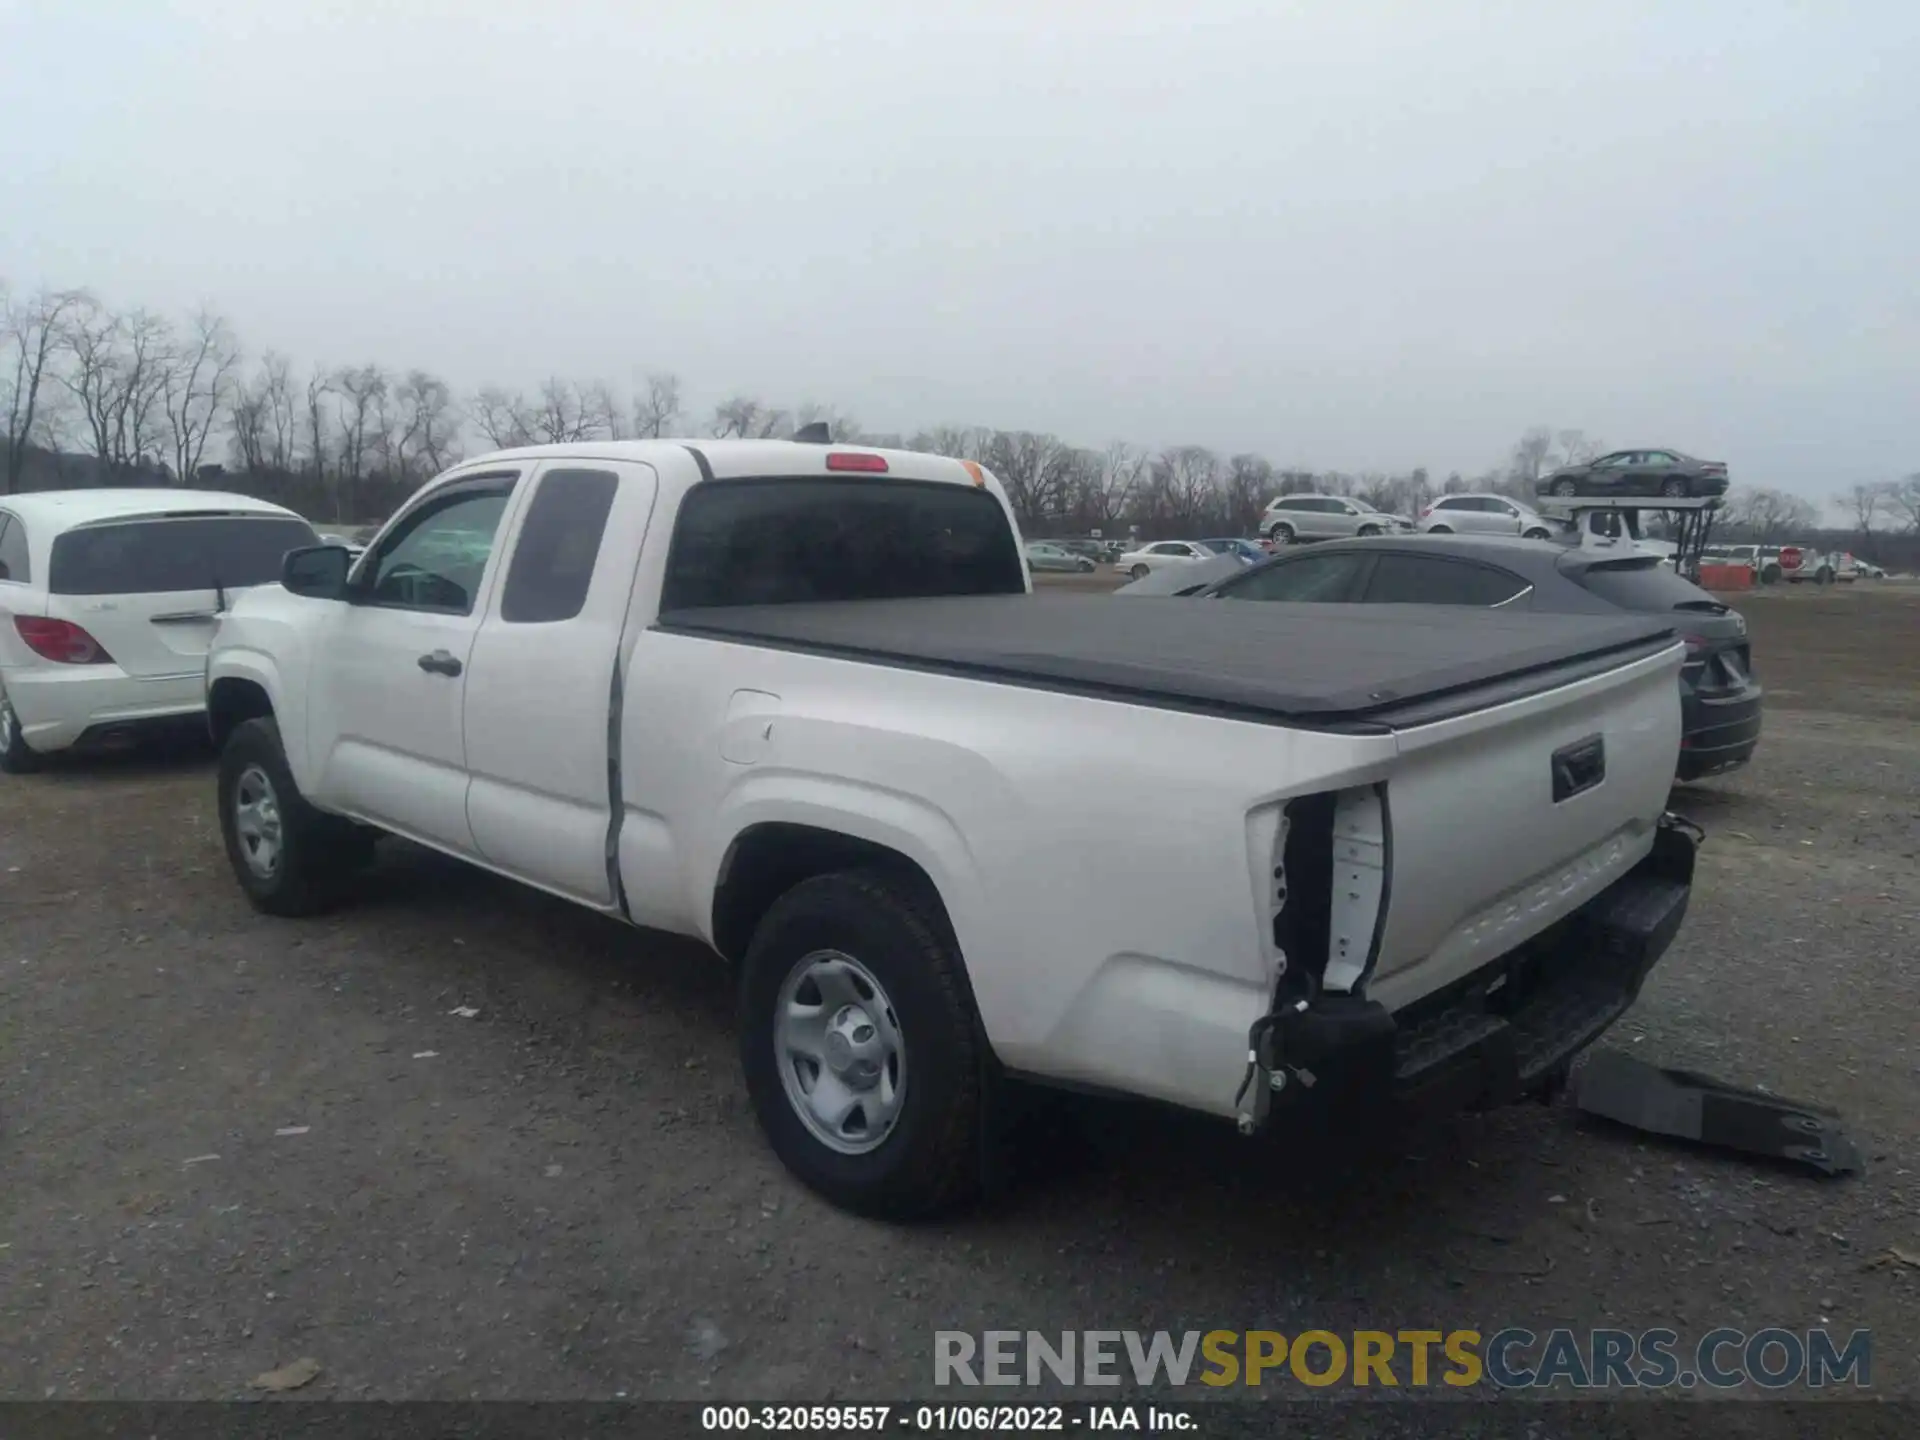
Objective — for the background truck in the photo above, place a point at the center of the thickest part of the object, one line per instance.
(798, 701)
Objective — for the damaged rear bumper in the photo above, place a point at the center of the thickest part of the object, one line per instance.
(1508, 1030)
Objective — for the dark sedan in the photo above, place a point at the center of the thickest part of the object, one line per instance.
(1638, 472)
(1719, 698)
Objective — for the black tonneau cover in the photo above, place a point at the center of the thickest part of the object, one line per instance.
(1319, 665)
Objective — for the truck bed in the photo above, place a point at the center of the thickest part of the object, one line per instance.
(1318, 666)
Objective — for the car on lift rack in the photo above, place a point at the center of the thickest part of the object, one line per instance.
(1719, 698)
(1638, 472)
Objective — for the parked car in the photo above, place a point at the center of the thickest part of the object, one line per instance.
(1044, 556)
(1638, 472)
(1289, 518)
(798, 701)
(107, 601)
(1183, 579)
(1101, 552)
(1720, 699)
(1245, 550)
(1484, 515)
(1869, 570)
(1162, 555)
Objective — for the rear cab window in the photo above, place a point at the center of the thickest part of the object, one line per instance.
(165, 554)
(791, 540)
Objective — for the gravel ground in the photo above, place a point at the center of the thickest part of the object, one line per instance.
(229, 1142)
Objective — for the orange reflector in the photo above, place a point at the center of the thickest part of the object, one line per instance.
(979, 476)
(848, 460)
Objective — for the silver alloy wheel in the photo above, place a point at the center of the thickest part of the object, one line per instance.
(256, 820)
(842, 1059)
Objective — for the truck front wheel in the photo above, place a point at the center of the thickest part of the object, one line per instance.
(289, 858)
(858, 1039)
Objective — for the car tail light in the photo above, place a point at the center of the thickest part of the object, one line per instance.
(852, 460)
(1425, 511)
(61, 641)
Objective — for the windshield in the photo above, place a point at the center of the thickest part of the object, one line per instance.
(168, 553)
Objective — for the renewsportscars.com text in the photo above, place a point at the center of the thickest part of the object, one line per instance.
(1510, 1358)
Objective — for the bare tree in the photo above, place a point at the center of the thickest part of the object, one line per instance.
(1107, 482)
(247, 427)
(505, 419)
(1183, 485)
(1865, 502)
(194, 386)
(316, 413)
(117, 370)
(568, 412)
(1771, 515)
(1904, 497)
(1246, 491)
(1034, 468)
(958, 442)
(361, 391)
(429, 424)
(657, 412)
(840, 426)
(30, 333)
(748, 419)
(1532, 456)
(1577, 448)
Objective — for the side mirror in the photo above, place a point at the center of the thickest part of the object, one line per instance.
(317, 571)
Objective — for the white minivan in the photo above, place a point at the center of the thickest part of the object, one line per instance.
(108, 599)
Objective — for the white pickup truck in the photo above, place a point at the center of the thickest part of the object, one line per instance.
(798, 701)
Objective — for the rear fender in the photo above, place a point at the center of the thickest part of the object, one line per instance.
(902, 823)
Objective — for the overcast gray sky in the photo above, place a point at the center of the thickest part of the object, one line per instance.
(1349, 234)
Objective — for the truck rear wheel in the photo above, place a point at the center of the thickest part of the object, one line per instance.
(289, 858)
(858, 1039)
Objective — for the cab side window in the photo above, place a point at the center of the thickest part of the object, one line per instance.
(13, 551)
(559, 544)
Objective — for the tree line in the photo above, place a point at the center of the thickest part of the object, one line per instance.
(91, 394)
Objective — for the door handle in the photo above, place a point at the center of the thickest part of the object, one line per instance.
(440, 662)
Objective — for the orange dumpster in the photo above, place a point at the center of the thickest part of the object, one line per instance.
(1726, 577)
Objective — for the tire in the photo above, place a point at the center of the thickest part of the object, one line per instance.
(927, 1158)
(1281, 534)
(1566, 488)
(314, 852)
(1673, 488)
(1439, 530)
(1085, 567)
(16, 756)
(1367, 531)
(1536, 534)
(1140, 572)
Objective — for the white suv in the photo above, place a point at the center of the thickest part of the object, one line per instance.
(1483, 515)
(108, 599)
(1325, 517)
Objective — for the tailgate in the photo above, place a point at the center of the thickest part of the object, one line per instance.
(1504, 820)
